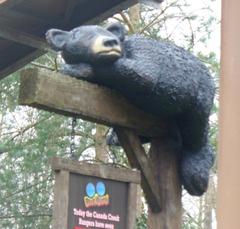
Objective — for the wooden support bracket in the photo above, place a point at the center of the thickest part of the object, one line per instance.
(138, 159)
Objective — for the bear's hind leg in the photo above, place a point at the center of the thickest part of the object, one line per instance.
(197, 154)
(80, 71)
(195, 168)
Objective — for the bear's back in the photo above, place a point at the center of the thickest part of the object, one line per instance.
(182, 79)
(169, 56)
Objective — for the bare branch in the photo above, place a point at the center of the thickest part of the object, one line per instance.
(155, 20)
(21, 131)
(42, 66)
(118, 19)
(127, 21)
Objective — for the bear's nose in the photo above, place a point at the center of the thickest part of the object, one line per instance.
(110, 42)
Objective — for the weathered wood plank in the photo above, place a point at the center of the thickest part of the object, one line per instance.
(116, 9)
(61, 200)
(69, 10)
(9, 3)
(132, 206)
(24, 38)
(165, 164)
(13, 15)
(22, 61)
(65, 95)
(98, 170)
(138, 159)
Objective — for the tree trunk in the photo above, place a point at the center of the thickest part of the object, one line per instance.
(209, 204)
(101, 147)
(134, 16)
(165, 163)
(200, 214)
(1, 122)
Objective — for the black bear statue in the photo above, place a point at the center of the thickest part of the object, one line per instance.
(156, 76)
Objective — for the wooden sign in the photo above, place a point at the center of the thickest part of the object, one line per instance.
(89, 196)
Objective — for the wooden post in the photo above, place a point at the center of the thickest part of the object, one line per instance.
(60, 207)
(164, 160)
(228, 197)
(160, 180)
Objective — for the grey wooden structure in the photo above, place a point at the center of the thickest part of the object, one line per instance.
(55, 92)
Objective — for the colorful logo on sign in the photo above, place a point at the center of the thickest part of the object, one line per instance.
(96, 195)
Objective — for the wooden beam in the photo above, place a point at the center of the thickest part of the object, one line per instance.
(13, 15)
(65, 95)
(21, 62)
(138, 159)
(69, 10)
(9, 3)
(75, 20)
(116, 9)
(24, 38)
(99, 170)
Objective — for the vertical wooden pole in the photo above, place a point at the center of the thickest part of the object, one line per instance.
(165, 164)
(132, 205)
(229, 143)
(61, 200)
(160, 178)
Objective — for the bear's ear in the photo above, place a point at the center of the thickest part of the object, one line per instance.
(57, 39)
(118, 30)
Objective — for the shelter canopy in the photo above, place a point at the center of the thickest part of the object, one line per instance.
(23, 24)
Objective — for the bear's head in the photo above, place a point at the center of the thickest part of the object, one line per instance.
(88, 44)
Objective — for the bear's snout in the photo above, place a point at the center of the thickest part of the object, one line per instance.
(106, 46)
(110, 42)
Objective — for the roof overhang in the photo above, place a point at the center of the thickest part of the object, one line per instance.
(23, 24)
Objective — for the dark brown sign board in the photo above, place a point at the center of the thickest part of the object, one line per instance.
(89, 196)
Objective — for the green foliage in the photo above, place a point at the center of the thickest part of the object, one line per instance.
(30, 137)
(142, 221)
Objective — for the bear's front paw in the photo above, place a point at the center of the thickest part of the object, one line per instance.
(80, 71)
(195, 169)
